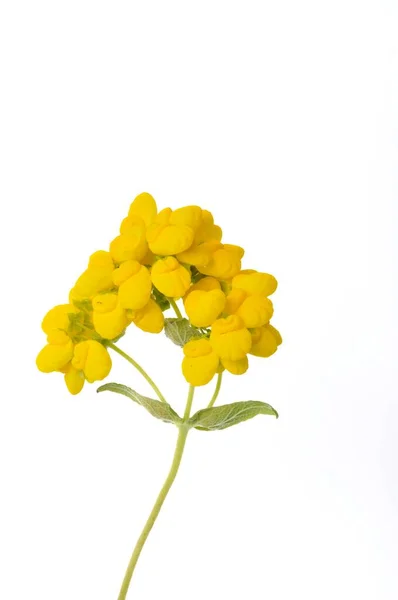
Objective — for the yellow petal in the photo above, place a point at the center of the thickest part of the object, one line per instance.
(197, 255)
(230, 339)
(236, 367)
(225, 263)
(93, 281)
(110, 324)
(125, 271)
(74, 380)
(169, 239)
(255, 311)
(170, 278)
(203, 307)
(187, 215)
(134, 293)
(144, 206)
(104, 303)
(54, 357)
(200, 363)
(132, 246)
(101, 259)
(265, 341)
(234, 300)
(253, 282)
(57, 317)
(207, 231)
(150, 318)
(93, 359)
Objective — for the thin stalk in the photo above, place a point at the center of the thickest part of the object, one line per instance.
(140, 369)
(182, 436)
(216, 391)
(177, 311)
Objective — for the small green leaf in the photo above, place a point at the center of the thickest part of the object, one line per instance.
(221, 417)
(180, 331)
(160, 410)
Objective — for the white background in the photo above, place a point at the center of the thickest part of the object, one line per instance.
(280, 117)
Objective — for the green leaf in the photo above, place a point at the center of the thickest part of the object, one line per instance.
(180, 331)
(221, 417)
(160, 410)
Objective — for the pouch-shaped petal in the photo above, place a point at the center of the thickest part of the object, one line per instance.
(54, 357)
(93, 359)
(254, 282)
(235, 299)
(203, 308)
(200, 363)
(255, 311)
(144, 206)
(197, 255)
(169, 239)
(74, 380)
(207, 231)
(170, 278)
(92, 281)
(236, 367)
(57, 317)
(109, 318)
(265, 341)
(225, 262)
(131, 246)
(187, 215)
(125, 271)
(230, 339)
(150, 318)
(134, 293)
(102, 260)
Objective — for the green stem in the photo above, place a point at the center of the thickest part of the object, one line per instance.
(140, 369)
(216, 391)
(177, 311)
(182, 436)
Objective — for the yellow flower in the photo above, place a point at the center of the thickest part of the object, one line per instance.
(57, 317)
(129, 246)
(255, 311)
(150, 318)
(265, 341)
(225, 262)
(254, 282)
(93, 359)
(109, 318)
(200, 255)
(170, 278)
(135, 290)
(206, 284)
(144, 206)
(204, 307)
(190, 216)
(74, 379)
(56, 354)
(169, 239)
(230, 339)
(236, 367)
(207, 231)
(235, 299)
(95, 279)
(200, 363)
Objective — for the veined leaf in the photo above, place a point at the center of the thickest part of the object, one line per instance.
(180, 331)
(221, 417)
(160, 410)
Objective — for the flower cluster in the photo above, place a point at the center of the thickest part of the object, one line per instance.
(157, 257)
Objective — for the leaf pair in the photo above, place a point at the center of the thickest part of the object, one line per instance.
(207, 419)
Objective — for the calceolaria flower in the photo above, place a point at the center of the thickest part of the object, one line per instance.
(159, 261)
